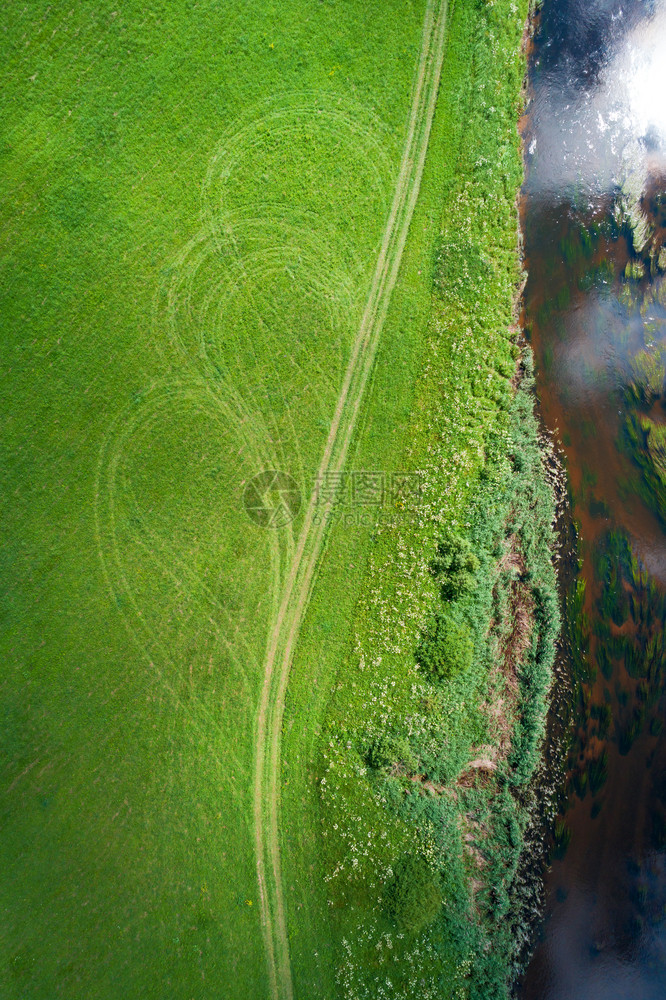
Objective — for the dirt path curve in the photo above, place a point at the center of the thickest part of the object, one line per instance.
(301, 574)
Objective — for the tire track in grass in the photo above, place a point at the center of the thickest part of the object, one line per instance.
(298, 584)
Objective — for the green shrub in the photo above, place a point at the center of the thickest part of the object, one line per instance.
(454, 567)
(389, 749)
(413, 897)
(446, 649)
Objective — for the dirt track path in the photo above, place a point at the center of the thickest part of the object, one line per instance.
(299, 580)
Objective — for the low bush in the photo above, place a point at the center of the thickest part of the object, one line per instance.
(413, 897)
(388, 750)
(454, 567)
(446, 648)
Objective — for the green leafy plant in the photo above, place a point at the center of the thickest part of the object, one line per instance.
(413, 897)
(454, 566)
(446, 649)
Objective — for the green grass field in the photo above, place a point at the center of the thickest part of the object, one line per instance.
(203, 215)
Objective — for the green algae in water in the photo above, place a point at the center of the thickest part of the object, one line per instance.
(649, 372)
(647, 445)
(635, 270)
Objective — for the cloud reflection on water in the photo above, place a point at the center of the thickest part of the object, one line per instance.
(600, 123)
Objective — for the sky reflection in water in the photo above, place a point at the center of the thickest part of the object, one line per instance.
(599, 109)
(596, 143)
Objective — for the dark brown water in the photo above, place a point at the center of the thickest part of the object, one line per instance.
(594, 220)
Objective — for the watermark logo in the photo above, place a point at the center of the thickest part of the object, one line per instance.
(362, 497)
(272, 499)
(367, 488)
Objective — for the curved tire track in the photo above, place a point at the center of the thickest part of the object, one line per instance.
(300, 578)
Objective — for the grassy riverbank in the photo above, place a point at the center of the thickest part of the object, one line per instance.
(395, 740)
(193, 207)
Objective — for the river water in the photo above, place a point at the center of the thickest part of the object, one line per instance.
(594, 223)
